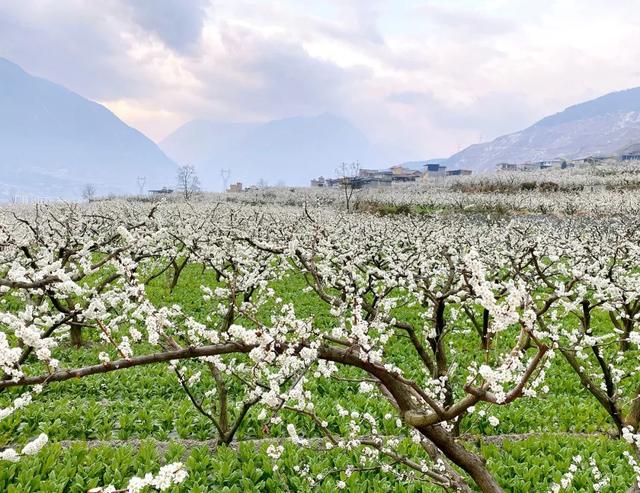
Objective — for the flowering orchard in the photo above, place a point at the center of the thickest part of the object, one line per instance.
(405, 352)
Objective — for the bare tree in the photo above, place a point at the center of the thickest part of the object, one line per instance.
(89, 192)
(188, 181)
(13, 196)
(348, 173)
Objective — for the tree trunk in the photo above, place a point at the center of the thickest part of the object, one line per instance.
(626, 331)
(472, 464)
(633, 418)
(459, 482)
(76, 335)
(486, 339)
(177, 271)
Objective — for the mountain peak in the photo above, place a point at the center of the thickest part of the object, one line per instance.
(291, 150)
(53, 142)
(627, 100)
(600, 126)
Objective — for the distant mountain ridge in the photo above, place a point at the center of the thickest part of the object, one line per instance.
(290, 150)
(197, 140)
(602, 126)
(53, 142)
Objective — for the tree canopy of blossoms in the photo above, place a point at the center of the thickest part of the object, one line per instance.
(401, 293)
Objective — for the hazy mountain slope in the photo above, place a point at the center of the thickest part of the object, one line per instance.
(198, 140)
(48, 131)
(600, 126)
(291, 150)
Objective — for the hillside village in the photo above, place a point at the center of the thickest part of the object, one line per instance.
(627, 154)
(425, 172)
(428, 172)
(410, 172)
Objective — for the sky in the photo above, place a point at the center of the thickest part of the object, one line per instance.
(429, 77)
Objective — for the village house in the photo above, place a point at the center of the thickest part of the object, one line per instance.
(459, 172)
(506, 167)
(401, 174)
(533, 166)
(161, 191)
(557, 163)
(318, 182)
(630, 153)
(433, 171)
(585, 161)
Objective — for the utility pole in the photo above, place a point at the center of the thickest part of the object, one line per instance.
(142, 181)
(225, 174)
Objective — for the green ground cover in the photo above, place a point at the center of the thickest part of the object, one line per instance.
(146, 403)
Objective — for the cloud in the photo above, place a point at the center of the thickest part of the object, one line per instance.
(178, 23)
(469, 22)
(266, 76)
(73, 44)
(427, 76)
(494, 113)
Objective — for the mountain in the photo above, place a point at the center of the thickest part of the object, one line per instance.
(290, 151)
(198, 140)
(53, 142)
(601, 126)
